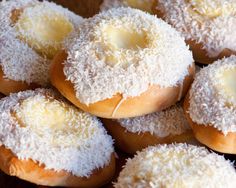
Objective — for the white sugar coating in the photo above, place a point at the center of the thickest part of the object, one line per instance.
(209, 105)
(108, 4)
(81, 147)
(18, 61)
(175, 166)
(99, 69)
(215, 32)
(167, 122)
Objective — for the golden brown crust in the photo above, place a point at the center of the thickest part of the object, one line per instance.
(199, 54)
(8, 86)
(154, 99)
(132, 142)
(32, 172)
(210, 136)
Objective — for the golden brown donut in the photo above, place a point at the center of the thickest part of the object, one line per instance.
(30, 171)
(46, 141)
(107, 71)
(29, 40)
(175, 166)
(210, 136)
(210, 106)
(158, 98)
(208, 26)
(134, 134)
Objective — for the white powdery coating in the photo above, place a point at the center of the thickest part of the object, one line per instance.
(215, 34)
(177, 165)
(164, 61)
(18, 61)
(91, 153)
(167, 122)
(208, 105)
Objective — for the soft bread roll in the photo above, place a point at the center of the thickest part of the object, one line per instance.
(107, 85)
(210, 136)
(154, 99)
(35, 173)
(208, 26)
(134, 134)
(46, 141)
(32, 32)
(210, 106)
(175, 166)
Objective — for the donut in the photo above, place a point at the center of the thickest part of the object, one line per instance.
(123, 59)
(208, 26)
(134, 134)
(210, 106)
(144, 5)
(47, 141)
(177, 165)
(32, 32)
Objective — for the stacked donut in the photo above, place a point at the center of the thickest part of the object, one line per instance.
(130, 69)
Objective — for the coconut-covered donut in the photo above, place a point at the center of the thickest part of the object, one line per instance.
(134, 134)
(46, 141)
(124, 63)
(175, 166)
(211, 105)
(31, 33)
(144, 5)
(208, 25)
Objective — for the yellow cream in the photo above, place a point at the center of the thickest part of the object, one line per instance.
(43, 32)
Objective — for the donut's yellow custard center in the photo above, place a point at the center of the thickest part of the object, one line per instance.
(228, 84)
(213, 8)
(145, 5)
(123, 39)
(45, 31)
(63, 124)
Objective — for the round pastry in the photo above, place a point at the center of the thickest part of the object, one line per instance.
(177, 165)
(123, 59)
(134, 134)
(210, 106)
(46, 141)
(208, 26)
(31, 34)
(144, 5)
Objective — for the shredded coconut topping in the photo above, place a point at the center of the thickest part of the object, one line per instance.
(210, 103)
(18, 60)
(177, 165)
(125, 51)
(145, 5)
(73, 141)
(168, 122)
(209, 22)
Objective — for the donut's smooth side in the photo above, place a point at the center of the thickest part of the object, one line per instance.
(132, 142)
(32, 172)
(8, 86)
(154, 99)
(210, 136)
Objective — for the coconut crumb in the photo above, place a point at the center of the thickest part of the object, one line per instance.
(177, 165)
(19, 61)
(162, 124)
(211, 23)
(99, 69)
(79, 146)
(210, 105)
